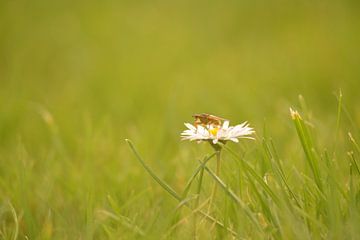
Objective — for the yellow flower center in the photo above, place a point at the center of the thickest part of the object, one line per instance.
(214, 131)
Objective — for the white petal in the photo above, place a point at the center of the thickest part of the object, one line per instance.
(190, 126)
(187, 132)
(226, 132)
(203, 132)
(226, 125)
(220, 133)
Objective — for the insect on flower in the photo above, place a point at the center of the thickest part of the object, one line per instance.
(205, 119)
(214, 129)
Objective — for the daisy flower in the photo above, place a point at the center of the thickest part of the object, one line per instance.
(217, 133)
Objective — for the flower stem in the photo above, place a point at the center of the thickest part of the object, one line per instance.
(197, 203)
(218, 165)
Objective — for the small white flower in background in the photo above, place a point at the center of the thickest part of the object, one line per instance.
(209, 131)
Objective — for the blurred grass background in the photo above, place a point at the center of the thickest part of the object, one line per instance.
(78, 77)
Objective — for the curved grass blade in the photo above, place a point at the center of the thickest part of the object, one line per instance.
(197, 171)
(173, 192)
(152, 174)
(352, 140)
(353, 161)
(124, 221)
(248, 212)
(308, 146)
(252, 172)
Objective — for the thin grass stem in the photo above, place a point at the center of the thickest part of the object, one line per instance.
(234, 197)
(213, 192)
(172, 192)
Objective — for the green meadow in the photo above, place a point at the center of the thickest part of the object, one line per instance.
(78, 78)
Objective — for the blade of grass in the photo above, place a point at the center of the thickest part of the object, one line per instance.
(331, 171)
(5, 220)
(124, 221)
(352, 140)
(279, 172)
(265, 205)
(353, 162)
(198, 196)
(249, 170)
(172, 192)
(338, 117)
(213, 192)
(227, 190)
(164, 185)
(198, 169)
(308, 146)
(186, 201)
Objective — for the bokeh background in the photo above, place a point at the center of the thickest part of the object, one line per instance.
(78, 77)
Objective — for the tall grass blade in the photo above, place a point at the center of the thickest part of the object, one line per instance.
(308, 146)
(196, 172)
(227, 190)
(124, 221)
(353, 162)
(338, 117)
(198, 197)
(172, 192)
(279, 172)
(163, 184)
(249, 170)
(356, 145)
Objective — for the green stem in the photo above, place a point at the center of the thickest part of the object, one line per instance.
(218, 165)
(198, 200)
